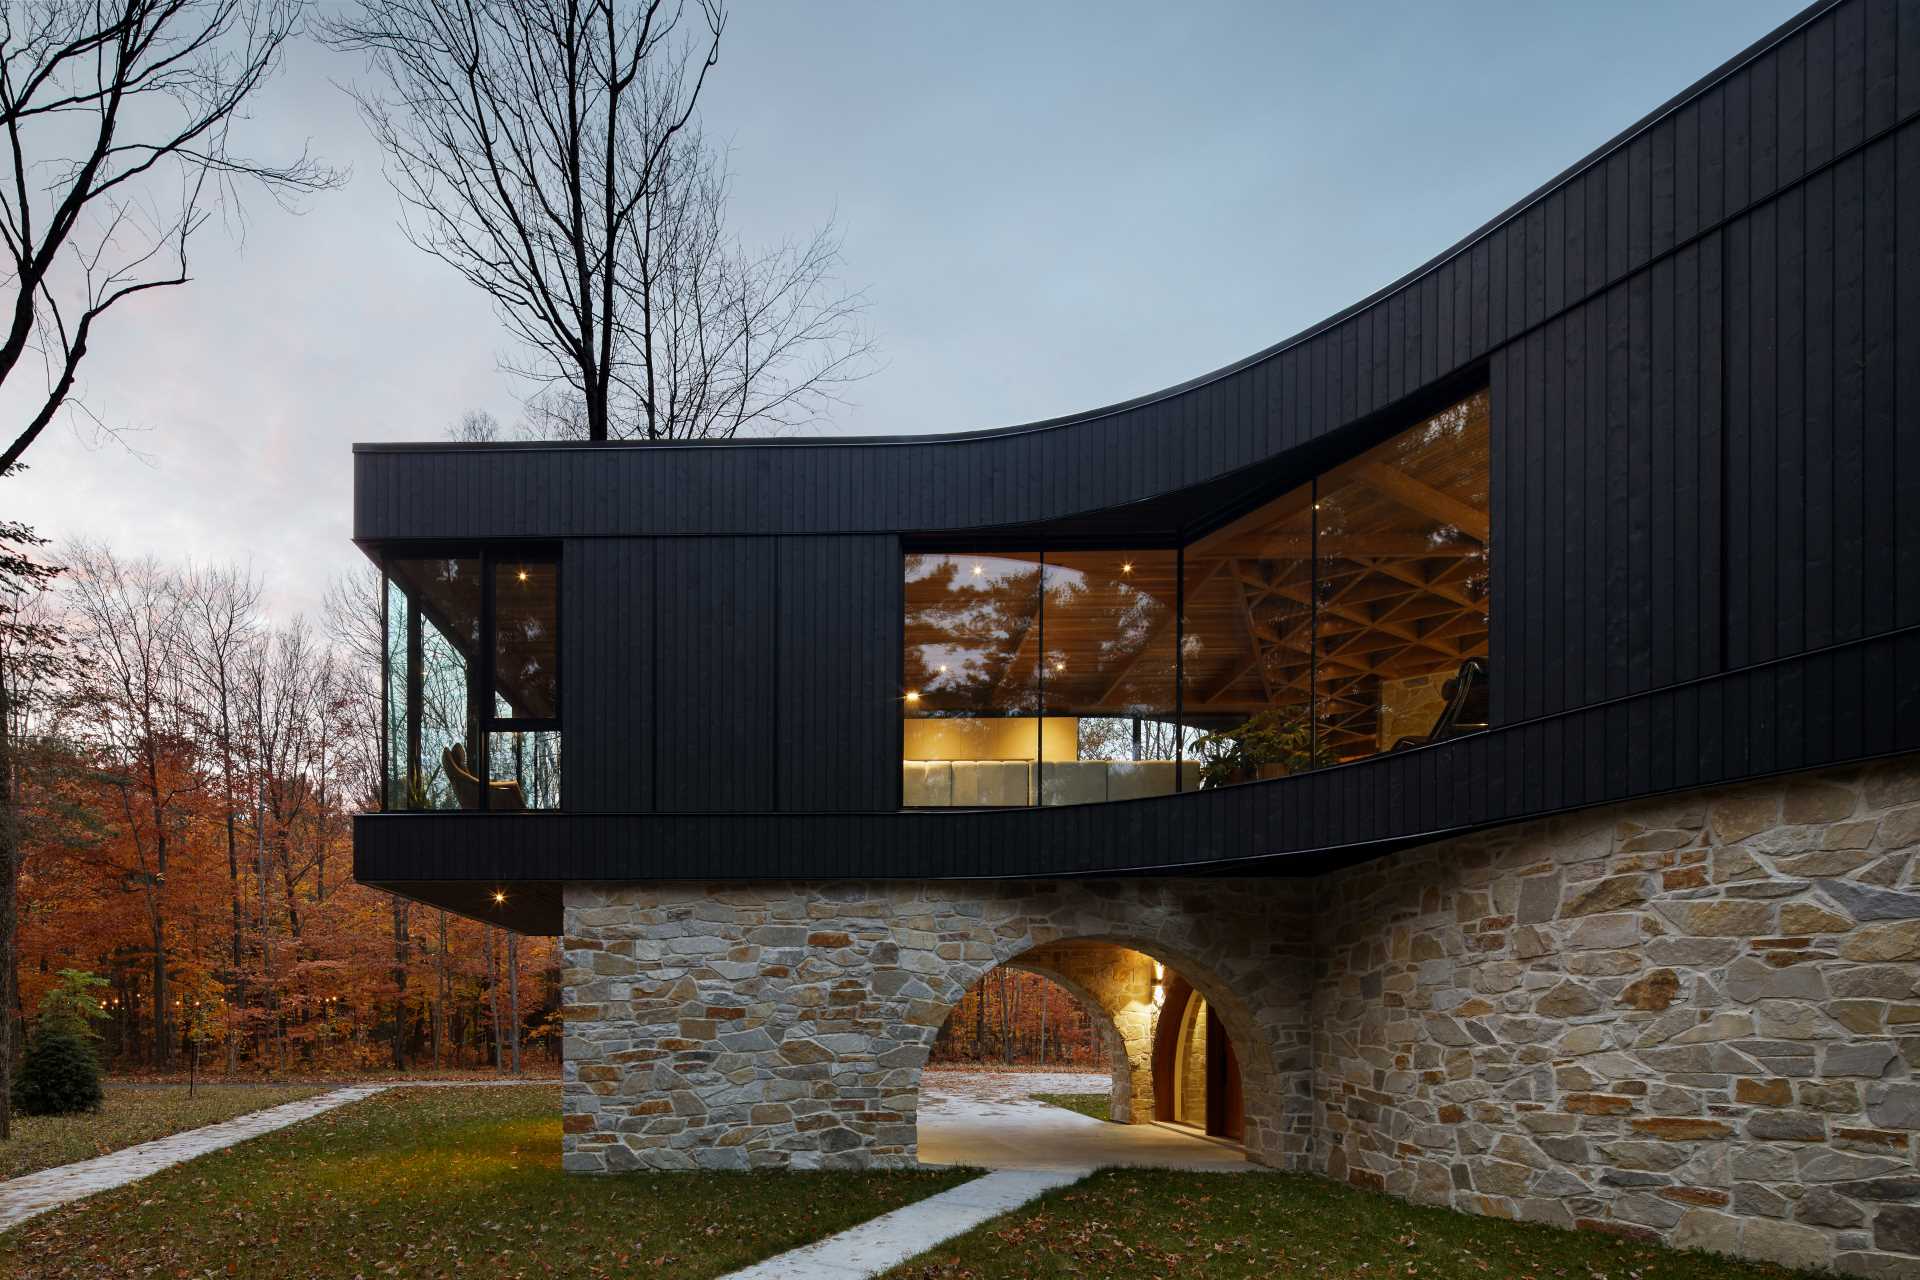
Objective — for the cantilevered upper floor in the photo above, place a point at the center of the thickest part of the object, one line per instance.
(1619, 496)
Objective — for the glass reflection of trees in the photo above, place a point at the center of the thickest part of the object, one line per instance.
(1344, 617)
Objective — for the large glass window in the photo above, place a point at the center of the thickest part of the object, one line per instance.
(1342, 618)
(1108, 682)
(972, 663)
(472, 654)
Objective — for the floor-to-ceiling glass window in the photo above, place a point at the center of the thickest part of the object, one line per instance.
(1248, 645)
(472, 683)
(1341, 618)
(523, 739)
(1107, 678)
(972, 664)
(1400, 581)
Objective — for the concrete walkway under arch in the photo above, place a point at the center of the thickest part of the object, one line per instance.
(986, 1119)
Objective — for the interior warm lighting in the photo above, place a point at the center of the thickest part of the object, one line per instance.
(499, 898)
(978, 570)
(913, 697)
(1159, 995)
(1059, 666)
(1127, 567)
(1159, 972)
(523, 575)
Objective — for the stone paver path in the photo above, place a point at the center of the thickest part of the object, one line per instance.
(987, 1118)
(35, 1193)
(890, 1239)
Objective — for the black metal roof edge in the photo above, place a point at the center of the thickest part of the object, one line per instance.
(1806, 17)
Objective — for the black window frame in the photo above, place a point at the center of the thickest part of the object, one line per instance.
(480, 689)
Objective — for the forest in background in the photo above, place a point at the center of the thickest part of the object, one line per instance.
(1019, 1019)
(186, 772)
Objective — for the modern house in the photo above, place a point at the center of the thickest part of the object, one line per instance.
(1466, 749)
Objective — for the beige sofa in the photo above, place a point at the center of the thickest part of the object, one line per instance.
(1005, 783)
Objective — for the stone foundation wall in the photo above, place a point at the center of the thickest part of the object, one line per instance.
(785, 1025)
(1696, 1020)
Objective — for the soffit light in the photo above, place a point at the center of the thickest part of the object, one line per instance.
(499, 898)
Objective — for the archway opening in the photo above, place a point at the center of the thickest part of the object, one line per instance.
(1094, 1027)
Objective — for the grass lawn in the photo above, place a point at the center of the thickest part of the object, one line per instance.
(1121, 1224)
(442, 1182)
(129, 1117)
(1096, 1105)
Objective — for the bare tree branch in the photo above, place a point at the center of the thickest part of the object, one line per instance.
(548, 151)
(116, 119)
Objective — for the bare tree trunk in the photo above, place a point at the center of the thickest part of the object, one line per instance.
(440, 998)
(493, 999)
(401, 943)
(1007, 1023)
(9, 902)
(513, 995)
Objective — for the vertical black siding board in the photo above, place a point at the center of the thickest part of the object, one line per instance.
(1791, 410)
(1504, 661)
(1498, 265)
(1713, 150)
(1849, 358)
(1712, 422)
(1883, 56)
(1551, 551)
(1763, 531)
(1640, 483)
(1570, 674)
(1594, 626)
(1819, 571)
(1879, 378)
(1639, 201)
(1665, 199)
(1536, 264)
(1820, 84)
(1764, 122)
(1849, 74)
(1619, 218)
(1576, 238)
(1664, 478)
(1538, 588)
(1907, 73)
(1554, 253)
(1686, 172)
(1686, 571)
(716, 657)
(1792, 110)
(1482, 294)
(1739, 141)
(1906, 455)
(1620, 503)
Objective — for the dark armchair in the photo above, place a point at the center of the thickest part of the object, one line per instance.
(1465, 710)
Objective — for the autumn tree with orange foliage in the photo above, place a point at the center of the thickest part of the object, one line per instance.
(186, 793)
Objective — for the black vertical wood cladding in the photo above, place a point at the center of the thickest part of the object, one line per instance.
(1701, 345)
(607, 669)
(715, 731)
(837, 664)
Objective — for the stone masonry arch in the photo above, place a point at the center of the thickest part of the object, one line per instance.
(786, 1024)
(1114, 1041)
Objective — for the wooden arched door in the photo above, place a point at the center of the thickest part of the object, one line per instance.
(1225, 1115)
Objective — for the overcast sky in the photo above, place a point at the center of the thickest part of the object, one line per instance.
(1050, 207)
